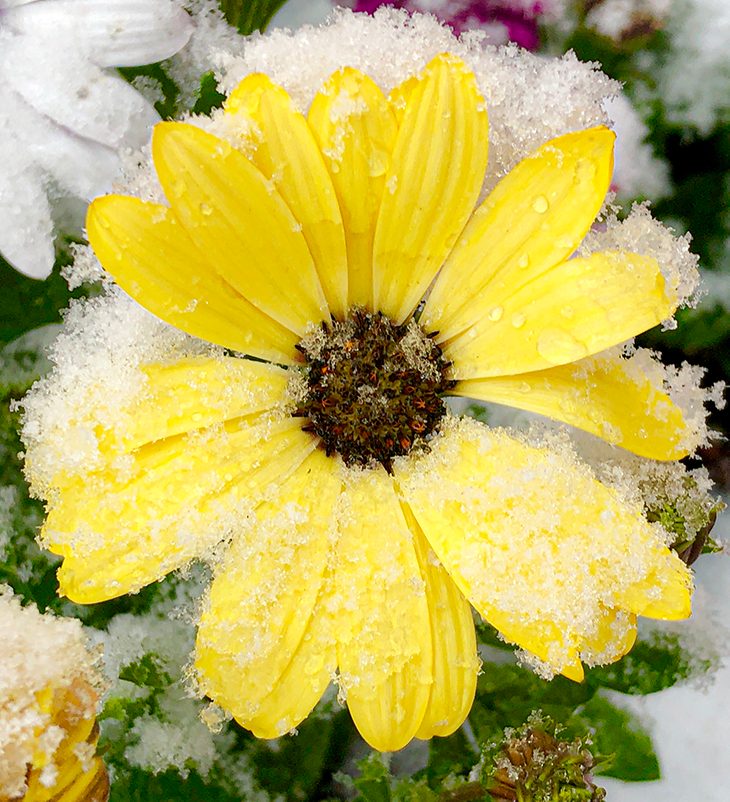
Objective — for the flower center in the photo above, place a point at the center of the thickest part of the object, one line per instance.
(373, 388)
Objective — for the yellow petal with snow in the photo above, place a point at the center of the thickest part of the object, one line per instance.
(614, 636)
(611, 397)
(262, 652)
(433, 183)
(665, 595)
(152, 258)
(355, 130)
(283, 148)
(542, 638)
(234, 214)
(165, 503)
(455, 661)
(542, 550)
(383, 633)
(574, 310)
(193, 393)
(533, 220)
(399, 95)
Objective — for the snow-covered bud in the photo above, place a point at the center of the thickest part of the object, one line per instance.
(533, 764)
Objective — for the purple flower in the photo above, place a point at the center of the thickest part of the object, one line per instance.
(518, 19)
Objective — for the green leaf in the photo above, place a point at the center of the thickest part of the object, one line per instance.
(374, 780)
(449, 757)
(27, 303)
(209, 97)
(297, 766)
(507, 694)
(146, 672)
(170, 786)
(167, 105)
(618, 733)
(250, 15)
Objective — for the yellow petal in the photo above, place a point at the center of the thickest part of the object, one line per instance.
(262, 619)
(399, 96)
(433, 183)
(534, 219)
(355, 130)
(383, 631)
(574, 310)
(166, 503)
(610, 397)
(235, 216)
(536, 544)
(197, 392)
(150, 255)
(455, 661)
(285, 151)
(307, 675)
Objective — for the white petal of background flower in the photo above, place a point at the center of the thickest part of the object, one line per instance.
(65, 87)
(63, 117)
(26, 228)
(113, 33)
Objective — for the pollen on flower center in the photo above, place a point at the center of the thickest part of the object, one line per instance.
(373, 388)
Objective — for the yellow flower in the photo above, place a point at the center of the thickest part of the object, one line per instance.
(361, 520)
(48, 729)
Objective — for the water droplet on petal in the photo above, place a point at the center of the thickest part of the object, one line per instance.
(377, 163)
(524, 387)
(496, 313)
(540, 204)
(524, 261)
(518, 320)
(206, 209)
(559, 347)
(585, 170)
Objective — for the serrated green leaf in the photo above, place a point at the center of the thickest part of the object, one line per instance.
(209, 97)
(141, 786)
(250, 15)
(147, 672)
(374, 781)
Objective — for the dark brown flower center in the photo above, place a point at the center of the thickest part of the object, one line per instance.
(374, 389)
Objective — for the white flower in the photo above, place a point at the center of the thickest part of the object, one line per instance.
(63, 116)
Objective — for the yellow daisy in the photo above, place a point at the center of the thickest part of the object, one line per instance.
(348, 255)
